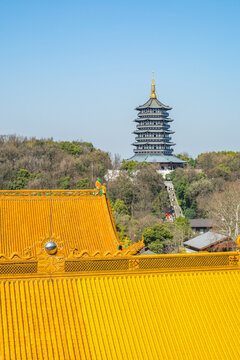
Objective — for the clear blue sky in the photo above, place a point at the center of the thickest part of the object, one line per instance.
(77, 69)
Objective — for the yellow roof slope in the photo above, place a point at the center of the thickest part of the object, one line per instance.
(162, 307)
(80, 219)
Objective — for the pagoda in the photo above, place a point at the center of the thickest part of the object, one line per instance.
(153, 141)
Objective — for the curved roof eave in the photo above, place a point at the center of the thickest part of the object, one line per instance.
(153, 103)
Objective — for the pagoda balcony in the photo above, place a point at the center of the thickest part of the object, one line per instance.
(153, 138)
(156, 129)
(155, 119)
(153, 113)
(161, 142)
(153, 126)
(153, 152)
(154, 141)
(152, 131)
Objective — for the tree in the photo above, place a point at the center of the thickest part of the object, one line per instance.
(47, 161)
(73, 148)
(224, 207)
(157, 237)
(21, 181)
(156, 246)
(116, 162)
(190, 213)
(130, 166)
(161, 205)
(181, 230)
(83, 183)
(120, 208)
(150, 185)
(123, 188)
(200, 187)
(64, 183)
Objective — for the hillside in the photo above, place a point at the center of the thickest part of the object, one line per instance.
(207, 187)
(40, 164)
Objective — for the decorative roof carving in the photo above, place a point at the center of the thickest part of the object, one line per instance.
(50, 263)
(49, 193)
(24, 256)
(130, 250)
(100, 188)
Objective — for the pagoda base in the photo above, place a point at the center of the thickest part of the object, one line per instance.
(166, 162)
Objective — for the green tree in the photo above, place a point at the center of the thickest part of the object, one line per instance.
(157, 236)
(161, 205)
(120, 208)
(74, 148)
(123, 188)
(156, 246)
(201, 187)
(64, 183)
(83, 183)
(190, 213)
(130, 166)
(223, 171)
(22, 178)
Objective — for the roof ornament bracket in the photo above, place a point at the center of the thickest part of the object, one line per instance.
(234, 259)
(100, 188)
(50, 255)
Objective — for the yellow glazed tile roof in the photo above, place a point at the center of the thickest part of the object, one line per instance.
(78, 218)
(143, 307)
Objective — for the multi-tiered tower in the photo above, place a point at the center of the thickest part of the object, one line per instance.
(153, 141)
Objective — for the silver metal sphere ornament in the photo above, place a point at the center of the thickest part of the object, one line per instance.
(51, 247)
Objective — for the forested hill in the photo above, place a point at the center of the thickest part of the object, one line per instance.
(205, 177)
(40, 163)
(209, 186)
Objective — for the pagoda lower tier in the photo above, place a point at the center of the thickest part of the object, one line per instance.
(164, 162)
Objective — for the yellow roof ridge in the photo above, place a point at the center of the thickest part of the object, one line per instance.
(85, 263)
(27, 254)
(48, 192)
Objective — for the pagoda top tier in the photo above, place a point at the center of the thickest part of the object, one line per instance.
(153, 102)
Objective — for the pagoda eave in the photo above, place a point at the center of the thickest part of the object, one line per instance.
(142, 131)
(153, 119)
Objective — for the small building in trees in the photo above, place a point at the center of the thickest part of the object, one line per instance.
(201, 225)
(153, 135)
(210, 242)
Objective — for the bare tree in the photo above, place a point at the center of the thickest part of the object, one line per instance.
(224, 207)
(116, 162)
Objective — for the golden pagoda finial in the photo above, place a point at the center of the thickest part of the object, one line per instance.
(153, 94)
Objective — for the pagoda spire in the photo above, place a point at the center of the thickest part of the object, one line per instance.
(153, 94)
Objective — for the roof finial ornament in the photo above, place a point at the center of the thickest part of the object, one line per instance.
(153, 94)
